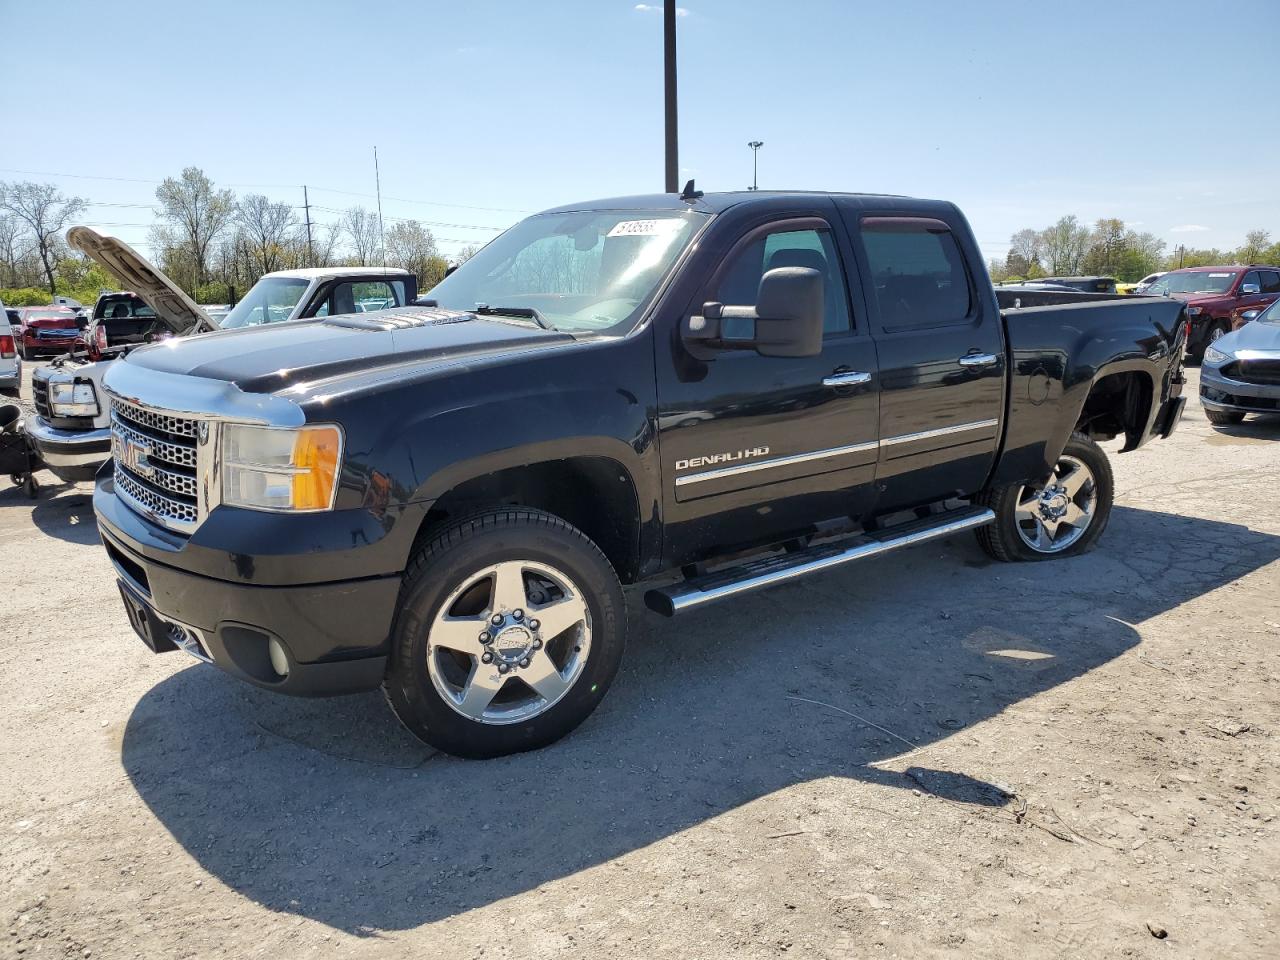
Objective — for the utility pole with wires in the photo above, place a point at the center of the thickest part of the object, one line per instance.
(1182, 252)
(306, 205)
(382, 236)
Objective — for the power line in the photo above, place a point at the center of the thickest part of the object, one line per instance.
(269, 186)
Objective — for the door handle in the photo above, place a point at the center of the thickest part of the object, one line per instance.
(850, 378)
(978, 359)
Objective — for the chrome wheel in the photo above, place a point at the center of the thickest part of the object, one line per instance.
(1054, 515)
(509, 642)
(1216, 334)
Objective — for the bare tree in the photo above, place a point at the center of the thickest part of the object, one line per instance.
(465, 254)
(45, 213)
(1064, 246)
(13, 250)
(267, 229)
(1026, 244)
(197, 214)
(324, 245)
(361, 226)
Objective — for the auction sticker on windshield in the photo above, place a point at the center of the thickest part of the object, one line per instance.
(644, 228)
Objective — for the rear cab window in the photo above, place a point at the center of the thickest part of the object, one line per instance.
(918, 272)
(123, 308)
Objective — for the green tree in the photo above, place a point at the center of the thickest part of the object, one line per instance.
(1257, 243)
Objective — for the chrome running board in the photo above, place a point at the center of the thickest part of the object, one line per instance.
(758, 574)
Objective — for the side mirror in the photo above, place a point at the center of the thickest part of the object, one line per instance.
(1248, 315)
(787, 317)
(1249, 289)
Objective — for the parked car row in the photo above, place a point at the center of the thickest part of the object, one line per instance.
(72, 431)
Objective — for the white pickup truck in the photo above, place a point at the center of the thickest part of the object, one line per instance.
(71, 431)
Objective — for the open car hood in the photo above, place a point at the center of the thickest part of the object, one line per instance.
(175, 309)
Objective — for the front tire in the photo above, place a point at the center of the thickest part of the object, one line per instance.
(510, 629)
(1224, 418)
(1062, 517)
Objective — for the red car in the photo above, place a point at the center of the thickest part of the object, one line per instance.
(1214, 295)
(47, 330)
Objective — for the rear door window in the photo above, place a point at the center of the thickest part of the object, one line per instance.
(1270, 281)
(917, 271)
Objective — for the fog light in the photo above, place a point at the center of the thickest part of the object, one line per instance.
(279, 662)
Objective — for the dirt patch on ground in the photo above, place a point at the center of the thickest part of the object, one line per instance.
(933, 755)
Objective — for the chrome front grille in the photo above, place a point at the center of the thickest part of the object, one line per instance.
(40, 394)
(155, 463)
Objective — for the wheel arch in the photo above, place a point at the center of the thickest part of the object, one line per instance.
(1119, 402)
(594, 491)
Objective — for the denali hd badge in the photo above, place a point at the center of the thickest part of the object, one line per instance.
(718, 458)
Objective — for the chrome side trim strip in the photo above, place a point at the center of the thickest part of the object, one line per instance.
(940, 432)
(775, 462)
(723, 472)
(686, 596)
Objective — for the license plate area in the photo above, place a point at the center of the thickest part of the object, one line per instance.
(150, 629)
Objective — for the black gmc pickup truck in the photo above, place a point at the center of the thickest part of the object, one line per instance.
(714, 393)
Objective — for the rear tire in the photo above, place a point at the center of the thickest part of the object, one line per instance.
(1224, 418)
(1062, 517)
(531, 682)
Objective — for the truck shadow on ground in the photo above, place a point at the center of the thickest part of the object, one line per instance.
(58, 510)
(327, 809)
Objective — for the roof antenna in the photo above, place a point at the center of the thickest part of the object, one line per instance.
(690, 192)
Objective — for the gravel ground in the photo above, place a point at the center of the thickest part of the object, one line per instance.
(933, 755)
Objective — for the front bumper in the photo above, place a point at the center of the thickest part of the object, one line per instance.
(49, 344)
(333, 635)
(71, 454)
(1237, 396)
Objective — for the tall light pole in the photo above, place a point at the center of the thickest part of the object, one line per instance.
(755, 146)
(669, 64)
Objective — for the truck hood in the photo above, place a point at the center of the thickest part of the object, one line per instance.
(320, 355)
(175, 309)
(1198, 299)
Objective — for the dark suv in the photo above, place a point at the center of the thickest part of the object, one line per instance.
(1212, 294)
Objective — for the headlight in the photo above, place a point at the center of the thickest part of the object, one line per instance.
(1215, 356)
(273, 468)
(73, 400)
(1194, 311)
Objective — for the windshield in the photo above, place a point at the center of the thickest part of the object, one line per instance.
(589, 270)
(1198, 281)
(270, 300)
(1269, 315)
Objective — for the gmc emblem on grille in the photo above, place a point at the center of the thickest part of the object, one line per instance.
(133, 455)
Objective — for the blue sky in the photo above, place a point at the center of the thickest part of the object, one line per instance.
(1155, 112)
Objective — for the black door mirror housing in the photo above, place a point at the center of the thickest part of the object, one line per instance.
(787, 317)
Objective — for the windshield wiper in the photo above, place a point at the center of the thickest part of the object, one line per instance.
(530, 313)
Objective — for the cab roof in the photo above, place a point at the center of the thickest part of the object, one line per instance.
(719, 202)
(310, 273)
